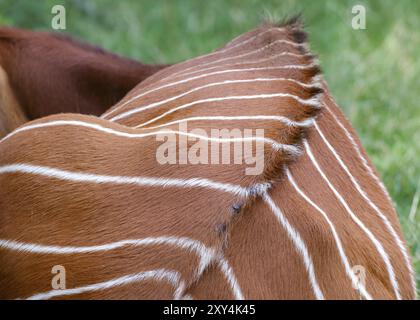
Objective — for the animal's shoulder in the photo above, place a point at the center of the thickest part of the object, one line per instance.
(265, 80)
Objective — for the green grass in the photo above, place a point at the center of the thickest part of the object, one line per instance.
(373, 73)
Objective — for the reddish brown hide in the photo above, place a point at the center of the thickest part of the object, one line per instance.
(89, 194)
(45, 73)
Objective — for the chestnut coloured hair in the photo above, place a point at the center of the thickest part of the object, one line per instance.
(44, 73)
(88, 194)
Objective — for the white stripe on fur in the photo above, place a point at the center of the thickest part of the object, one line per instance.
(385, 220)
(370, 235)
(340, 248)
(378, 181)
(300, 245)
(135, 180)
(307, 66)
(290, 123)
(357, 149)
(294, 150)
(296, 55)
(313, 102)
(230, 277)
(173, 277)
(206, 255)
(209, 85)
(184, 73)
(226, 49)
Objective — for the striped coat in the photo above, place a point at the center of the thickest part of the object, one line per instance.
(91, 195)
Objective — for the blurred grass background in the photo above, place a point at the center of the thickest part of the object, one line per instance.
(372, 73)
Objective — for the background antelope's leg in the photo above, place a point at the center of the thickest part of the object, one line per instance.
(11, 113)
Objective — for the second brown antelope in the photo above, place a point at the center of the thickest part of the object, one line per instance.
(91, 195)
(46, 73)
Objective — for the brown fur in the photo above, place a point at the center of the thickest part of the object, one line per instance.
(270, 267)
(11, 114)
(50, 211)
(52, 73)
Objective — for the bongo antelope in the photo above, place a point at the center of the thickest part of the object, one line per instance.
(87, 193)
(45, 73)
